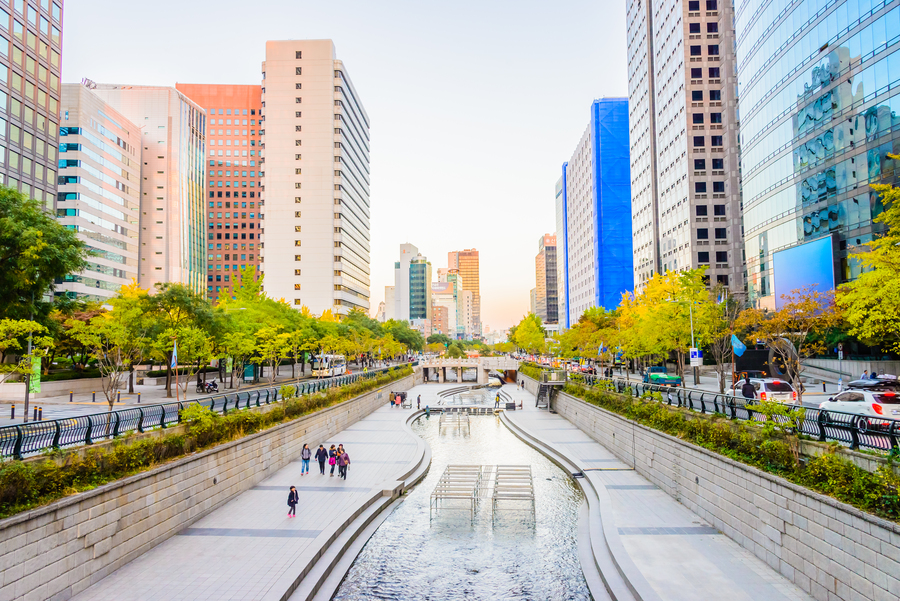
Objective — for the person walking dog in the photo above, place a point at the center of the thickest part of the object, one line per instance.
(305, 454)
(293, 499)
(321, 457)
(332, 459)
(343, 464)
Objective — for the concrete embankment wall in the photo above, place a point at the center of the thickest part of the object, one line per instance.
(56, 551)
(829, 549)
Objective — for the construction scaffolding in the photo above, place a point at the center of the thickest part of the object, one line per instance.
(464, 487)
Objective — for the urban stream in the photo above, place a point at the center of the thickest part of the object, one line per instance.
(448, 557)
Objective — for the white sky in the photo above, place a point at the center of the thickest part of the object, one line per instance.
(474, 105)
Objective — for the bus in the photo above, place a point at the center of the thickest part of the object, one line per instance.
(325, 366)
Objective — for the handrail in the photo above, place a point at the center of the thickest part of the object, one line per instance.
(17, 441)
(855, 430)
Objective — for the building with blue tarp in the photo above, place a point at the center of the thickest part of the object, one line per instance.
(594, 215)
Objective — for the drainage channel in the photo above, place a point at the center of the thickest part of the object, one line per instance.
(513, 555)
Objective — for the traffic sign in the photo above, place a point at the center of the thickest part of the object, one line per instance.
(696, 357)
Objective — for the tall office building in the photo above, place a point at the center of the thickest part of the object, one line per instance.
(99, 192)
(173, 173)
(412, 285)
(445, 311)
(232, 182)
(31, 44)
(466, 261)
(533, 301)
(597, 201)
(315, 179)
(686, 197)
(389, 297)
(819, 114)
(562, 244)
(546, 299)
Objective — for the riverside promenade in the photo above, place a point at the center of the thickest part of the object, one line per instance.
(667, 552)
(250, 549)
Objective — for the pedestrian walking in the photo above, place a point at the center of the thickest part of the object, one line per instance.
(497, 401)
(419, 402)
(343, 464)
(305, 454)
(332, 459)
(321, 457)
(397, 401)
(865, 375)
(293, 499)
(748, 391)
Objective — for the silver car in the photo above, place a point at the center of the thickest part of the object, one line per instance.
(769, 389)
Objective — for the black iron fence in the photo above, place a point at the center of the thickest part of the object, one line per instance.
(31, 438)
(823, 425)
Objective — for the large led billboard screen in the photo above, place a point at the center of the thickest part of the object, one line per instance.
(810, 264)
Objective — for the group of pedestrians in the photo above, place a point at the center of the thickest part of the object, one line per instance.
(336, 457)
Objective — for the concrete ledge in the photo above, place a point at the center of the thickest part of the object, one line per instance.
(827, 548)
(58, 550)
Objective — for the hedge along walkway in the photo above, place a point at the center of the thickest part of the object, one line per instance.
(680, 556)
(249, 548)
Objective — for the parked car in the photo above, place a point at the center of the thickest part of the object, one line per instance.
(769, 389)
(869, 405)
(657, 374)
(875, 384)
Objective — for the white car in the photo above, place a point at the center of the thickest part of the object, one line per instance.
(870, 405)
(769, 389)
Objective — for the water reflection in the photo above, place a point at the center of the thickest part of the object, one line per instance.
(451, 558)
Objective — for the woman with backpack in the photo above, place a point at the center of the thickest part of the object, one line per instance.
(332, 459)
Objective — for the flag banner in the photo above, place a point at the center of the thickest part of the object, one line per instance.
(174, 354)
(34, 381)
(738, 346)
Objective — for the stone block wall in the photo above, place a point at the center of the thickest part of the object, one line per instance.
(56, 551)
(829, 549)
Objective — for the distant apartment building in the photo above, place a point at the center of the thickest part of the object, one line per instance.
(412, 285)
(389, 310)
(685, 181)
(467, 263)
(444, 308)
(439, 318)
(99, 192)
(315, 176)
(379, 314)
(173, 237)
(533, 301)
(546, 293)
(232, 182)
(597, 217)
(820, 119)
(31, 46)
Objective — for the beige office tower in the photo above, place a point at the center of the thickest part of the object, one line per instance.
(99, 192)
(315, 180)
(173, 174)
(685, 182)
(466, 261)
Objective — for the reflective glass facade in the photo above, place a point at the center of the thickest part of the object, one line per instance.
(818, 88)
(30, 48)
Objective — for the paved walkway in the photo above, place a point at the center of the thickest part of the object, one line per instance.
(248, 548)
(682, 557)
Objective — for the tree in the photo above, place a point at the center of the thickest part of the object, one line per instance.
(115, 339)
(530, 334)
(721, 323)
(35, 251)
(240, 346)
(441, 339)
(871, 302)
(797, 330)
(14, 356)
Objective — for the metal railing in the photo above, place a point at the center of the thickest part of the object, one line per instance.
(855, 430)
(18, 441)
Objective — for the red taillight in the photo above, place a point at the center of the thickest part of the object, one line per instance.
(762, 396)
(794, 395)
(877, 408)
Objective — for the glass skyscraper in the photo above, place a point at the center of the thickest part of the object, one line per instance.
(818, 100)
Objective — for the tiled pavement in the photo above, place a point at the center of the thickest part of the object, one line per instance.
(681, 557)
(246, 549)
